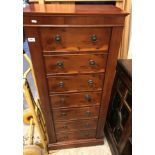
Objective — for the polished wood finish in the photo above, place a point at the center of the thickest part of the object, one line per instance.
(76, 125)
(75, 113)
(83, 41)
(59, 64)
(119, 120)
(58, 84)
(110, 73)
(80, 99)
(76, 143)
(76, 135)
(74, 51)
(82, 21)
(41, 81)
(74, 1)
(73, 9)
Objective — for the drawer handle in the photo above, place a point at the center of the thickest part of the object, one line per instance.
(90, 82)
(93, 38)
(88, 97)
(61, 84)
(57, 38)
(92, 63)
(66, 137)
(88, 113)
(62, 99)
(87, 125)
(65, 126)
(63, 114)
(60, 64)
(86, 134)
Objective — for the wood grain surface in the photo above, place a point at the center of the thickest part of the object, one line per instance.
(76, 135)
(73, 9)
(75, 99)
(75, 83)
(81, 63)
(74, 51)
(75, 113)
(82, 42)
(77, 125)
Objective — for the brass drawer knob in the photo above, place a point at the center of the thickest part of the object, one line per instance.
(86, 134)
(92, 63)
(60, 64)
(87, 125)
(88, 113)
(88, 97)
(63, 114)
(90, 82)
(65, 126)
(61, 84)
(93, 38)
(62, 100)
(66, 137)
(57, 38)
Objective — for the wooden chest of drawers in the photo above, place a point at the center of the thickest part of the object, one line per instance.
(74, 51)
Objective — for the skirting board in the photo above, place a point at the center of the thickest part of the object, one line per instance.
(77, 143)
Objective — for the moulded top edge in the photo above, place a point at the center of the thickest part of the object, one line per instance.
(73, 9)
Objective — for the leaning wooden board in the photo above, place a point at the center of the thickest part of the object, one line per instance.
(74, 50)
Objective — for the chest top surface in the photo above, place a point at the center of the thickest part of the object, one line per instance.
(73, 9)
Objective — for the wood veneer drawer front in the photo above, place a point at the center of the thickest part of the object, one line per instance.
(75, 99)
(75, 39)
(80, 63)
(75, 83)
(75, 113)
(45, 20)
(72, 20)
(76, 125)
(76, 135)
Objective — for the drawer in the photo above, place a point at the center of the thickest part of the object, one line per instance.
(75, 83)
(71, 20)
(75, 39)
(75, 113)
(76, 125)
(75, 99)
(80, 63)
(77, 135)
(37, 20)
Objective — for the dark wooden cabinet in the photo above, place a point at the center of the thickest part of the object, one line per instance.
(119, 118)
(74, 50)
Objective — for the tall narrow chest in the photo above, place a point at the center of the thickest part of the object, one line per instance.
(74, 52)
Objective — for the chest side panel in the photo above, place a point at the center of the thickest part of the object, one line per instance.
(39, 70)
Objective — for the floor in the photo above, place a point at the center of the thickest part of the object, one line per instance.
(93, 150)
